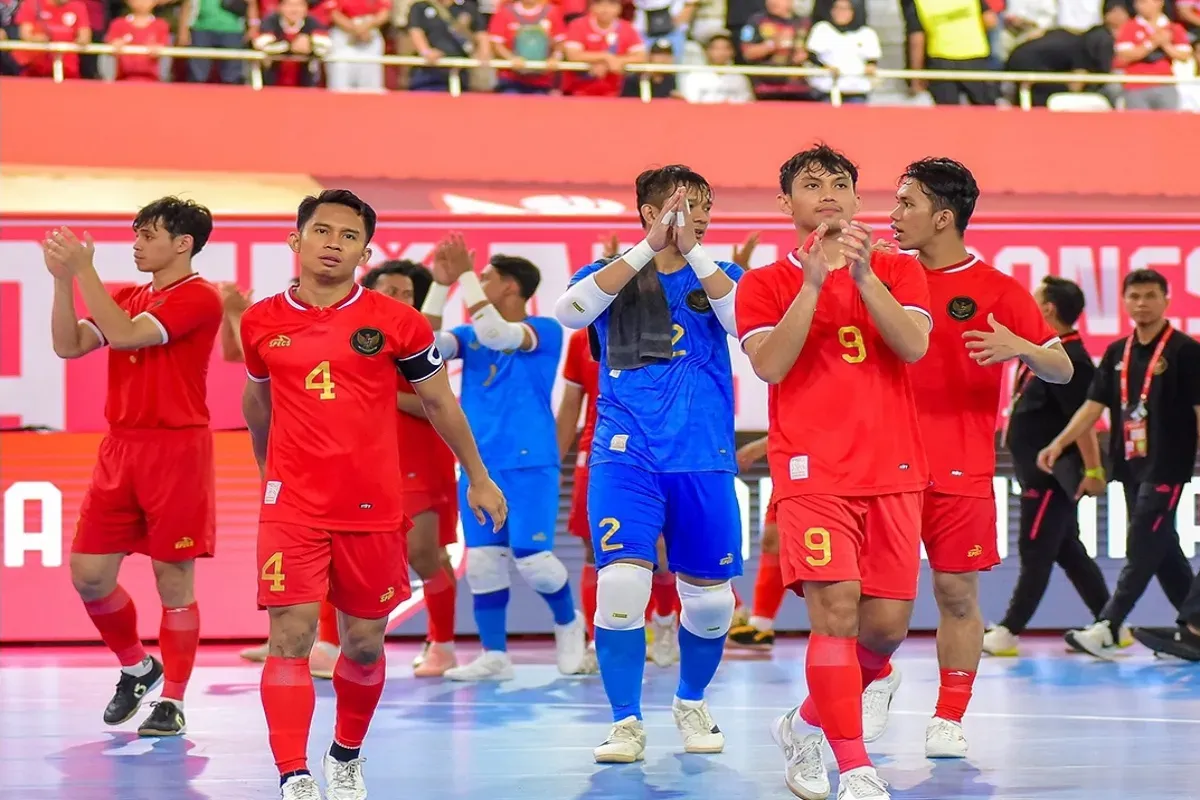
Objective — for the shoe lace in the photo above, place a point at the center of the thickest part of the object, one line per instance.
(875, 701)
(866, 786)
(696, 719)
(808, 758)
(347, 774)
(622, 733)
(944, 729)
(305, 789)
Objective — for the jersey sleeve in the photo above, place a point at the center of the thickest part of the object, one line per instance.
(119, 297)
(256, 368)
(418, 358)
(908, 284)
(117, 30)
(464, 335)
(1026, 320)
(756, 307)
(572, 371)
(185, 309)
(1101, 390)
(583, 272)
(734, 272)
(547, 335)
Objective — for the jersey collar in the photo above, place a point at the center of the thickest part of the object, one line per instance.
(189, 277)
(300, 305)
(961, 266)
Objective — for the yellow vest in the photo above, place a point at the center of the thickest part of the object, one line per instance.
(953, 29)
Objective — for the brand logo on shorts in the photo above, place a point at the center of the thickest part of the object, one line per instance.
(280, 341)
(367, 341)
(975, 552)
(364, 506)
(961, 308)
(539, 537)
(388, 595)
(184, 543)
(727, 560)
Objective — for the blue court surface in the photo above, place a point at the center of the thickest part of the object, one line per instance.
(1050, 725)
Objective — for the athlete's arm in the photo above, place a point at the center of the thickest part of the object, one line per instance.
(1051, 364)
(772, 353)
(410, 404)
(70, 336)
(567, 418)
(492, 330)
(231, 343)
(905, 330)
(751, 452)
(446, 415)
(1084, 420)
(119, 330)
(256, 408)
(718, 286)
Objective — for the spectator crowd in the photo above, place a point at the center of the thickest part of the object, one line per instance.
(330, 42)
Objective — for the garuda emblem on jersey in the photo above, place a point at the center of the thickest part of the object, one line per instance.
(697, 300)
(961, 308)
(367, 341)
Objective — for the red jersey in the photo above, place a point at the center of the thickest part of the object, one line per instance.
(958, 400)
(583, 371)
(127, 30)
(619, 39)
(355, 9)
(60, 22)
(529, 33)
(425, 459)
(164, 386)
(333, 461)
(843, 421)
(1136, 33)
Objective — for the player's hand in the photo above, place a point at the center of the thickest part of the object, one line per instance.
(685, 231)
(662, 232)
(746, 456)
(487, 502)
(234, 300)
(68, 250)
(813, 260)
(1048, 455)
(611, 246)
(457, 259)
(885, 246)
(856, 247)
(995, 346)
(742, 253)
(53, 265)
(1091, 487)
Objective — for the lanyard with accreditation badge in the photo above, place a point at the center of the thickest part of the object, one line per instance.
(1137, 444)
(1023, 377)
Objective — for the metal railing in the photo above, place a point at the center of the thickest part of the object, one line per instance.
(257, 60)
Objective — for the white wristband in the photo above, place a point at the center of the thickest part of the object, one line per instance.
(702, 263)
(472, 290)
(435, 299)
(639, 255)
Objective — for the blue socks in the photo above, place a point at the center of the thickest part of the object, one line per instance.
(622, 657)
(562, 605)
(698, 662)
(491, 612)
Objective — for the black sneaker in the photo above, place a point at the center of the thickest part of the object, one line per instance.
(747, 637)
(131, 690)
(166, 719)
(1179, 642)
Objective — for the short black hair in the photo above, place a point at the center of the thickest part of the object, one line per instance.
(521, 270)
(419, 274)
(339, 197)
(1144, 276)
(1066, 297)
(819, 158)
(949, 184)
(654, 186)
(178, 217)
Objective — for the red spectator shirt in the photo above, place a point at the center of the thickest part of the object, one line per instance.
(166, 385)
(1136, 33)
(333, 459)
(957, 399)
(425, 459)
(61, 22)
(320, 10)
(843, 421)
(511, 20)
(361, 8)
(583, 371)
(620, 39)
(126, 30)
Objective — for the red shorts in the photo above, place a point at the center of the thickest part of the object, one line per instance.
(771, 517)
(442, 503)
(152, 492)
(577, 521)
(873, 540)
(960, 532)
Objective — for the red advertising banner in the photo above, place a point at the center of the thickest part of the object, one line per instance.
(36, 388)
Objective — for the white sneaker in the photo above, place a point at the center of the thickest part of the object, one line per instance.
(570, 645)
(664, 650)
(1096, 640)
(862, 784)
(805, 772)
(300, 787)
(626, 743)
(945, 739)
(490, 665)
(344, 779)
(421, 656)
(700, 732)
(877, 701)
(591, 665)
(999, 641)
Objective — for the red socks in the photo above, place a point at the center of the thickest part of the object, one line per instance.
(664, 596)
(441, 596)
(954, 694)
(871, 666)
(835, 687)
(178, 638)
(358, 688)
(288, 698)
(116, 619)
(768, 587)
(327, 625)
(587, 591)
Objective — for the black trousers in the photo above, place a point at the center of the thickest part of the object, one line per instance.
(979, 93)
(1152, 549)
(1049, 536)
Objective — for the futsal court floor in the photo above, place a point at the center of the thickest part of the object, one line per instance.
(1050, 725)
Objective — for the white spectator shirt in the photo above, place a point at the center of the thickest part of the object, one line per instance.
(711, 87)
(846, 51)
(1080, 15)
(1042, 13)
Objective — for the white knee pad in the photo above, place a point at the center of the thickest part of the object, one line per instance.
(487, 569)
(622, 594)
(707, 610)
(544, 573)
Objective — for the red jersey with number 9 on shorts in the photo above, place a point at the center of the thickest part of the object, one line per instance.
(333, 460)
(843, 420)
(957, 399)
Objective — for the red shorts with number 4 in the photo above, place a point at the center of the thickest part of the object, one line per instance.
(364, 575)
(152, 492)
(960, 532)
(577, 522)
(873, 540)
(442, 503)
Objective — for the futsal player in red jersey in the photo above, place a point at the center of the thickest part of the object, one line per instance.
(832, 327)
(152, 489)
(982, 319)
(322, 360)
(430, 486)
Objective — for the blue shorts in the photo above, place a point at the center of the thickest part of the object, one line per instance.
(695, 512)
(532, 496)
